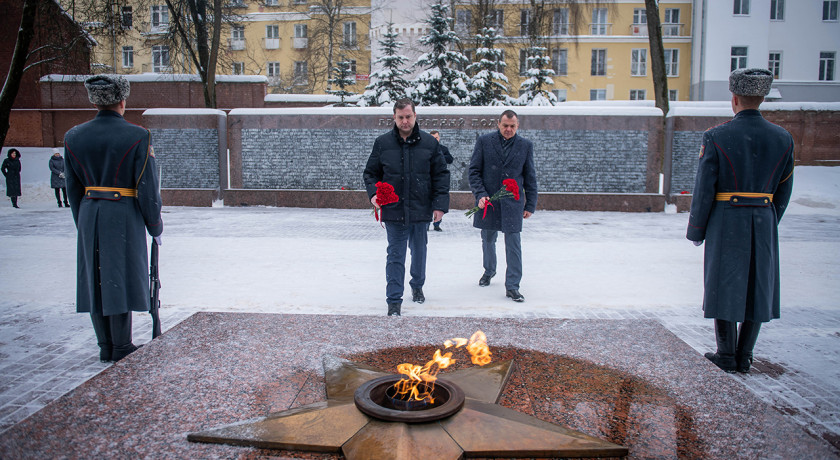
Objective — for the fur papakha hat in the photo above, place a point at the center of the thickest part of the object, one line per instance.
(750, 82)
(107, 89)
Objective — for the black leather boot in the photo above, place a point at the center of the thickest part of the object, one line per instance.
(726, 333)
(747, 336)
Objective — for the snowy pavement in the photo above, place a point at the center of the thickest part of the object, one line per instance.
(289, 260)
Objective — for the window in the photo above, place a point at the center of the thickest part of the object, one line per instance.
(597, 95)
(300, 31)
(160, 17)
(560, 26)
(560, 94)
(273, 69)
(272, 31)
(637, 94)
(350, 35)
(237, 37)
(524, 22)
(463, 21)
(126, 19)
(300, 2)
(830, 10)
(639, 16)
(271, 2)
(599, 21)
(827, 65)
(560, 61)
(671, 24)
(599, 62)
(301, 73)
(741, 7)
(672, 63)
(160, 58)
(497, 21)
(638, 62)
(128, 56)
(673, 94)
(774, 63)
(500, 62)
(239, 68)
(351, 66)
(738, 58)
(523, 62)
(777, 10)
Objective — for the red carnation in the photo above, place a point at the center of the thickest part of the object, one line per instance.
(385, 194)
(511, 188)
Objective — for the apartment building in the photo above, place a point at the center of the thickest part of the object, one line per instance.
(798, 40)
(292, 42)
(598, 50)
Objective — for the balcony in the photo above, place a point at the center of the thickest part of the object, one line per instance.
(639, 29)
(236, 44)
(600, 29)
(671, 30)
(271, 43)
(350, 44)
(300, 43)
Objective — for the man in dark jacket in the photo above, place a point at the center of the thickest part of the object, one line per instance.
(409, 160)
(498, 156)
(114, 196)
(446, 156)
(744, 182)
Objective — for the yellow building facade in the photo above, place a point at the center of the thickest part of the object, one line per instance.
(600, 52)
(292, 42)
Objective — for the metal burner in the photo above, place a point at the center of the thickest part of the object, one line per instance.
(373, 398)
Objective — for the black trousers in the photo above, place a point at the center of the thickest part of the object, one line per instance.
(113, 332)
(58, 192)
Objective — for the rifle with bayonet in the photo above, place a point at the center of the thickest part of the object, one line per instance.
(154, 288)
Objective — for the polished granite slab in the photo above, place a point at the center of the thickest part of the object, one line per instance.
(630, 382)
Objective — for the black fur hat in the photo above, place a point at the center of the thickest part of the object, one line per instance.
(750, 82)
(107, 89)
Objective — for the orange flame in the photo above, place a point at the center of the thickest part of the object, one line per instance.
(419, 381)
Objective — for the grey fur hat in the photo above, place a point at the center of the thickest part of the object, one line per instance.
(107, 89)
(750, 82)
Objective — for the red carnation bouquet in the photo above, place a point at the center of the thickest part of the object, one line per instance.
(384, 195)
(511, 188)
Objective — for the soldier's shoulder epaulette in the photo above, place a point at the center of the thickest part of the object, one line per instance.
(718, 126)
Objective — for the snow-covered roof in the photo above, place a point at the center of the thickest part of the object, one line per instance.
(462, 110)
(184, 112)
(724, 108)
(154, 77)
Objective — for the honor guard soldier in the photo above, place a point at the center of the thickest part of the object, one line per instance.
(114, 196)
(743, 185)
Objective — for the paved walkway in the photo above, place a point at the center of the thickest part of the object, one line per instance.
(47, 350)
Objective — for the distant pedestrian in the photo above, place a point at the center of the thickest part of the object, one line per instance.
(744, 182)
(498, 156)
(57, 181)
(11, 170)
(408, 160)
(446, 156)
(113, 190)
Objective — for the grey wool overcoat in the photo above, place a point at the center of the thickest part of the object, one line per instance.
(110, 153)
(489, 167)
(743, 185)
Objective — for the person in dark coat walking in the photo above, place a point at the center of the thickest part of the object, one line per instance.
(113, 191)
(11, 171)
(446, 156)
(497, 156)
(57, 177)
(743, 185)
(409, 160)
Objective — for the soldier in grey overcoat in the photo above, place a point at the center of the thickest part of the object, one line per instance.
(497, 156)
(743, 185)
(57, 181)
(113, 191)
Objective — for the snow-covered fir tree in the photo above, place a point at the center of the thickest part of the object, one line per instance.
(387, 84)
(343, 77)
(487, 83)
(441, 83)
(535, 87)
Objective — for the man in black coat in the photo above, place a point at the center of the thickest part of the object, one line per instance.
(114, 196)
(498, 156)
(409, 160)
(744, 182)
(446, 156)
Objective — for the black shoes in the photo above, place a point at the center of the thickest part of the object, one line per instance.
(66, 204)
(438, 229)
(393, 309)
(725, 363)
(514, 295)
(743, 363)
(417, 295)
(123, 351)
(59, 204)
(485, 280)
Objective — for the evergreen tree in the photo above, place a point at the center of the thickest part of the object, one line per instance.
(441, 83)
(539, 73)
(387, 84)
(342, 78)
(488, 83)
